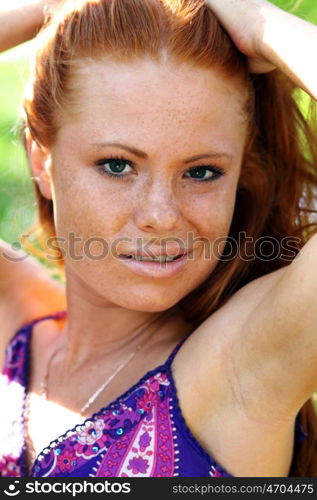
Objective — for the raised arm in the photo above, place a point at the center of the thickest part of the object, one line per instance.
(271, 38)
(26, 292)
(20, 20)
(278, 355)
(260, 348)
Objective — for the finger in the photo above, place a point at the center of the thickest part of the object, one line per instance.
(259, 65)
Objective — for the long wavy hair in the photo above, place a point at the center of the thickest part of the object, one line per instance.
(276, 190)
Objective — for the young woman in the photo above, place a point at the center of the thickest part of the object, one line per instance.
(175, 178)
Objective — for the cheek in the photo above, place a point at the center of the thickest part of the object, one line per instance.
(82, 206)
(212, 218)
(212, 213)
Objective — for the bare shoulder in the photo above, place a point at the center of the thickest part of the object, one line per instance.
(242, 402)
(208, 348)
(26, 292)
(219, 328)
(260, 346)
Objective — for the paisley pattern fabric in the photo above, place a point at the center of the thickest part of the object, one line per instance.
(140, 434)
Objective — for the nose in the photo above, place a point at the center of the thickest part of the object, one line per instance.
(157, 209)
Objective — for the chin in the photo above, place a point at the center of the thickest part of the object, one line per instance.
(148, 305)
(145, 297)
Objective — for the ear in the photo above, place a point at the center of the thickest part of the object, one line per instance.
(41, 163)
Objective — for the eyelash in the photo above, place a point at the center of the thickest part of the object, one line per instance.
(218, 172)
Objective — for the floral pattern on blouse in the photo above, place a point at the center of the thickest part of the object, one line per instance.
(141, 434)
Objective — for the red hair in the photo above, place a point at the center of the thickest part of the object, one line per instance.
(276, 189)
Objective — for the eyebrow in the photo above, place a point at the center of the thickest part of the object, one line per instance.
(141, 154)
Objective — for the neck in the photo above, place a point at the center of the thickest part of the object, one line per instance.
(95, 329)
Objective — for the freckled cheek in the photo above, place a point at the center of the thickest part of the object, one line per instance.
(211, 214)
(212, 221)
(88, 210)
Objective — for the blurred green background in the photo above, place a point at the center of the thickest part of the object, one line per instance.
(17, 203)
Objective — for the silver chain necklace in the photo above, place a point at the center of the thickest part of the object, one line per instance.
(91, 399)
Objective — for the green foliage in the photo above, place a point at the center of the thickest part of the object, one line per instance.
(17, 204)
(17, 210)
(307, 9)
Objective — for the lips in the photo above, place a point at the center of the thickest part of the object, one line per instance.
(146, 256)
(155, 267)
(155, 260)
(153, 253)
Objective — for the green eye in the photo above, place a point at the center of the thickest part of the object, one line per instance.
(199, 173)
(117, 168)
(114, 167)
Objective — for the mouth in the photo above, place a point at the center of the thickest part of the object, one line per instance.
(159, 258)
(157, 266)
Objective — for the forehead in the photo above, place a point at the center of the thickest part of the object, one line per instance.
(147, 98)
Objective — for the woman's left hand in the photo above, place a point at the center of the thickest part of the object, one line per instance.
(271, 38)
(244, 20)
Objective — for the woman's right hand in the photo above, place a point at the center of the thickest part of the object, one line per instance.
(20, 20)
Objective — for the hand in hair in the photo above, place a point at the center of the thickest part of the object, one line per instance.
(20, 20)
(271, 38)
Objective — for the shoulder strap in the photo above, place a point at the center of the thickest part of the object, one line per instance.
(177, 347)
(57, 315)
(17, 351)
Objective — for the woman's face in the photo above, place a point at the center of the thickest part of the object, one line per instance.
(146, 161)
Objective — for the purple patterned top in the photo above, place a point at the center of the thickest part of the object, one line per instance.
(140, 434)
